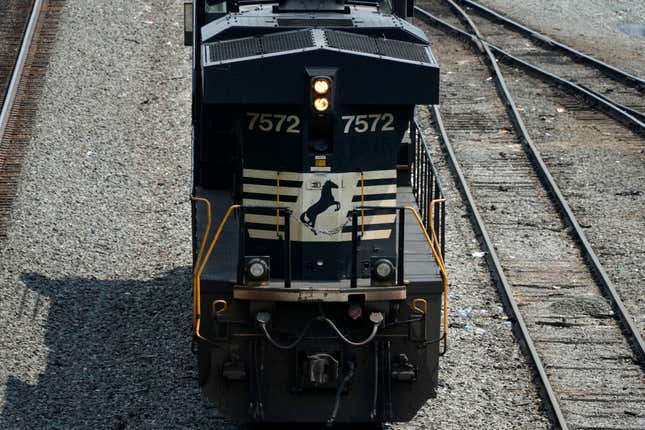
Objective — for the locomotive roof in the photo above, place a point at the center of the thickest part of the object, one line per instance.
(262, 20)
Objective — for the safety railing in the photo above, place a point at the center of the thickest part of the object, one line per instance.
(429, 234)
(426, 186)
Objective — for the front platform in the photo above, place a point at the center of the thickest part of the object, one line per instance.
(221, 271)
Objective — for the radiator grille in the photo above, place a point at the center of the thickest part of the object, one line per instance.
(238, 48)
(386, 47)
(287, 41)
(251, 46)
(302, 39)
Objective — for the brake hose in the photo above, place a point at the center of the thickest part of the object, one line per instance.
(263, 319)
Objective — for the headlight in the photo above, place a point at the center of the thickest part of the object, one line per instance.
(257, 269)
(321, 104)
(383, 269)
(321, 86)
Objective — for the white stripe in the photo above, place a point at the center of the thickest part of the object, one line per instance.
(344, 237)
(271, 174)
(378, 219)
(379, 203)
(270, 219)
(379, 174)
(267, 203)
(369, 235)
(262, 219)
(263, 234)
(270, 189)
(378, 189)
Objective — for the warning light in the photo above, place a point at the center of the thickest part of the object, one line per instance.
(321, 104)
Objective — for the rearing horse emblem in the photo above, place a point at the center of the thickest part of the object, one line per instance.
(326, 200)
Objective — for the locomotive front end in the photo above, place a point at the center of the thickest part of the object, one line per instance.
(319, 278)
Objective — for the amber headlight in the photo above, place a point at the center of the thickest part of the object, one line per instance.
(321, 104)
(321, 86)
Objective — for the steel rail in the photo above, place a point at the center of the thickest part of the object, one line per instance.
(623, 114)
(501, 282)
(558, 199)
(560, 202)
(12, 89)
(617, 73)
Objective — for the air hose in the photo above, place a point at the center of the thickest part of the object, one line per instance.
(263, 319)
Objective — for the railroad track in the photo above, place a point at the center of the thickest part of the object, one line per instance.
(617, 92)
(587, 352)
(25, 44)
(14, 15)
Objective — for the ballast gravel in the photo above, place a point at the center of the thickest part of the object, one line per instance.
(94, 275)
(613, 31)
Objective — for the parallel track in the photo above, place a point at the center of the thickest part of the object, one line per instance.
(567, 313)
(14, 15)
(22, 74)
(617, 92)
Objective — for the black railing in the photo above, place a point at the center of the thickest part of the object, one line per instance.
(426, 185)
(356, 213)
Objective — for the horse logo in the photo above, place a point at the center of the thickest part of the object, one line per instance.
(326, 200)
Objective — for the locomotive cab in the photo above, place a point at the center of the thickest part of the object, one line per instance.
(318, 272)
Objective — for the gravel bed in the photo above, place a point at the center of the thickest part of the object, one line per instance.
(94, 276)
(600, 167)
(590, 26)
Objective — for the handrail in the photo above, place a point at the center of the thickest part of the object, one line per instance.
(436, 252)
(426, 185)
(200, 265)
(435, 246)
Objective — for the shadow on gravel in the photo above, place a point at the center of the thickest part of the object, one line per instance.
(118, 357)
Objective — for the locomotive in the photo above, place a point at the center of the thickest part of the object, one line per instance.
(318, 283)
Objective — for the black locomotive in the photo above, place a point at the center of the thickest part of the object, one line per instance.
(318, 260)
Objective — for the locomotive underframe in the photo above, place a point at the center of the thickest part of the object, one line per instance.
(401, 364)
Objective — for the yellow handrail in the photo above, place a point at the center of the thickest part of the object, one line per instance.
(200, 264)
(439, 259)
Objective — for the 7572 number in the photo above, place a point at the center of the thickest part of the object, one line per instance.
(268, 122)
(372, 123)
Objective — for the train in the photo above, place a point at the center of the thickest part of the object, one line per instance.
(318, 220)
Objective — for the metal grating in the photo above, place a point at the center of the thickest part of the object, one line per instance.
(289, 41)
(302, 22)
(252, 46)
(238, 48)
(370, 45)
(302, 39)
(350, 42)
(403, 50)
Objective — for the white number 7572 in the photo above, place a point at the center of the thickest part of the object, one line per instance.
(370, 122)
